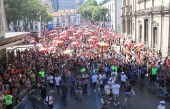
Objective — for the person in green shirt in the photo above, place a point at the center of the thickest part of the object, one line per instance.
(154, 72)
(8, 101)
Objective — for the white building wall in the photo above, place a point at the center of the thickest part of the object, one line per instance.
(156, 11)
(114, 7)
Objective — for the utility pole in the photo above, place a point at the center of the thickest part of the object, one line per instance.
(39, 14)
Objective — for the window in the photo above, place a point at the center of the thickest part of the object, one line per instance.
(155, 34)
(146, 30)
(36, 27)
(140, 33)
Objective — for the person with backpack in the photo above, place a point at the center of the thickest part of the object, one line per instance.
(43, 91)
(79, 88)
(64, 89)
(50, 100)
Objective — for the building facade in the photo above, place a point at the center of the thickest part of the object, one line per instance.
(65, 18)
(147, 21)
(3, 27)
(60, 18)
(55, 5)
(114, 14)
(67, 4)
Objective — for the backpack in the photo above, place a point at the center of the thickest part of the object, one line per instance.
(79, 85)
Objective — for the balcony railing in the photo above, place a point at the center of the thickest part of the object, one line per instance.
(153, 9)
(127, 13)
(140, 1)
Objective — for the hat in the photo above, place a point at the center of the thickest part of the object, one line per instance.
(162, 102)
(122, 72)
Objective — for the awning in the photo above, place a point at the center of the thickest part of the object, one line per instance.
(12, 38)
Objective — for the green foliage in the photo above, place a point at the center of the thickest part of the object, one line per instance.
(25, 11)
(91, 10)
(98, 13)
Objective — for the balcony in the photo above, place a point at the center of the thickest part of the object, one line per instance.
(133, 12)
(157, 8)
(140, 11)
(148, 9)
(153, 9)
(127, 13)
(141, 1)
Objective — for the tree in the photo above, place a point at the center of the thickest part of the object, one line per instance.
(92, 11)
(12, 11)
(99, 13)
(25, 11)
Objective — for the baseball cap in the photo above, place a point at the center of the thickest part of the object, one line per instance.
(162, 102)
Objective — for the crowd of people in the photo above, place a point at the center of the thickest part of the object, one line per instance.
(102, 65)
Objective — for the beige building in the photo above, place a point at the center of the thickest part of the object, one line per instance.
(147, 21)
(65, 18)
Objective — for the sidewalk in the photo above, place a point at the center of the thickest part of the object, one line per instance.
(160, 91)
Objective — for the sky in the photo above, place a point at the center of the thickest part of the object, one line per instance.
(98, 1)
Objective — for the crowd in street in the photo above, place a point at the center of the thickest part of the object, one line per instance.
(88, 64)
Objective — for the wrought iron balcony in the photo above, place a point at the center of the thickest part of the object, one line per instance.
(133, 12)
(153, 9)
(140, 11)
(157, 8)
(141, 1)
(128, 13)
(148, 9)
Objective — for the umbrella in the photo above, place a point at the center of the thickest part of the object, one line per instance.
(91, 40)
(39, 36)
(128, 44)
(105, 37)
(94, 37)
(51, 48)
(33, 42)
(139, 45)
(63, 37)
(55, 38)
(75, 43)
(43, 50)
(118, 36)
(59, 42)
(72, 38)
(68, 51)
(103, 44)
(83, 70)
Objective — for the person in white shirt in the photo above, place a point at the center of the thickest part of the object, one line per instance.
(162, 105)
(50, 100)
(107, 92)
(115, 91)
(94, 81)
(50, 80)
(123, 80)
(102, 76)
(57, 81)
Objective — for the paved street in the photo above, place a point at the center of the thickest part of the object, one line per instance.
(147, 97)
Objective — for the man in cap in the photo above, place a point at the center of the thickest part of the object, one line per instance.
(123, 80)
(162, 105)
